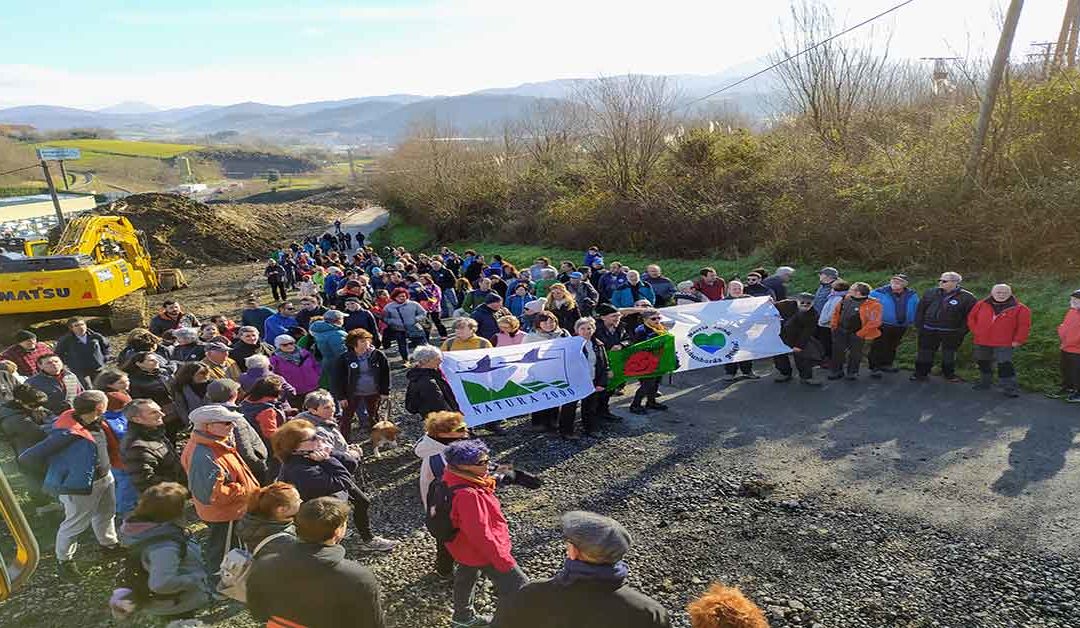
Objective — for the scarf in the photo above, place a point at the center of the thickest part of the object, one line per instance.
(575, 570)
(487, 482)
(1001, 306)
(295, 358)
(659, 329)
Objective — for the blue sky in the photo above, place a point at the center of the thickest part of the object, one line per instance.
(92, 54)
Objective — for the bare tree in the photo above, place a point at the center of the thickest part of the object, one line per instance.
(838, 80)
(628, 122)
(551, 132)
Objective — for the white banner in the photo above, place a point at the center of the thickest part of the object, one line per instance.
(719, 332)
(499, 383)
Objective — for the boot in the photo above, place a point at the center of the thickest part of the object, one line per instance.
(1009, 387)
(68, 571)
(986, 381)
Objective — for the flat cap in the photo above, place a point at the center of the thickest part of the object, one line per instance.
(600, 538)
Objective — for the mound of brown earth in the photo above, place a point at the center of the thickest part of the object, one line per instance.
(182, 231)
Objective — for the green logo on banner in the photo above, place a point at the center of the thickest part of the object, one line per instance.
(711, 343)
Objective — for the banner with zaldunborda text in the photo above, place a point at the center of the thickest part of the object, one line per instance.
(719, 332)
(499, 383)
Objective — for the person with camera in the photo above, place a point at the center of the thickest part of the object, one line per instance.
(482, 542)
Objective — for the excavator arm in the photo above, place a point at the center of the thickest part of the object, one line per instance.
(107, 238)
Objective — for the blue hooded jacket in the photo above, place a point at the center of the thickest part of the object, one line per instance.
(331, 342)
(897, 310)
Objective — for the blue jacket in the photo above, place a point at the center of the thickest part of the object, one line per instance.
(331, 342)
(822, 295)
(70, 455)
(516, 304)
(256, 317)
(126, 493)
(84, 359)
(486, 324)
(896, 310)
(609, 283)
(623, 296)
(276, 325)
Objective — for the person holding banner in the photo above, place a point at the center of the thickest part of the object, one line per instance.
(547, 328)
(428, 391)
(590, 406)
(648, 387)
(797, 331)
(735, 290)
(613, 335)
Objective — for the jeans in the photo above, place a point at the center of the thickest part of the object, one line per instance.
(465, 579)
(847, 349)
(405, 342)
(783, 364)
(361, 507)
(448, 304)
(986, 357)
(1070, 371)
(96, 510)
(277, 291)
(882, 352)
(929, 342)
(369, 405)
(218, 542)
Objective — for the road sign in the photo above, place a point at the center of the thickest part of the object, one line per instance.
(58, 154)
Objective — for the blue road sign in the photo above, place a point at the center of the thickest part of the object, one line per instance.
(58, 154)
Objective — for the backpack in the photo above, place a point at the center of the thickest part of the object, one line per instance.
(440, 501)
(236, 567)
(133, 574)
(851, 319)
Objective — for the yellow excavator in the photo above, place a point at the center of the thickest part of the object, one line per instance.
(14, 576)
(99, 268)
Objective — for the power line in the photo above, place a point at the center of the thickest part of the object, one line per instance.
(21, 169)
(801, 52)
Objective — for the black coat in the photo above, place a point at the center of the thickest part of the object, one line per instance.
(156, 385)
(944, 312)
(83, 359)
(303, 317)
(592, 603)
(797, 327)
(149, 457)
(275, 273)
(21, 429)
(362, 319)
(241, 351)
(343, 377)
(332, 477)
(611, 338)
(428, 391)
(600, 374)
(323, 590)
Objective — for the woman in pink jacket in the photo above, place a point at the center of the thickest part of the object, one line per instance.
(1000, 324)
(297, 366)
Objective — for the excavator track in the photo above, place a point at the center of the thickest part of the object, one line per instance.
(128, 312)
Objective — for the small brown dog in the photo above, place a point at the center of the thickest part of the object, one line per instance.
(384, 434)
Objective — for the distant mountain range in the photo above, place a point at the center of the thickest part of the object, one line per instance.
(374, 118)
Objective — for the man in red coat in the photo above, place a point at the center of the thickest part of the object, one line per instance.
(25, 352)
(482, 542)
(999, 324)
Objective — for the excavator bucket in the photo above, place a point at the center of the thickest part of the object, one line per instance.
(170, 279)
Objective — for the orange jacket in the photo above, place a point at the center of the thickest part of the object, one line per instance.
(869, 313)
(219, 480)
(1069, 331)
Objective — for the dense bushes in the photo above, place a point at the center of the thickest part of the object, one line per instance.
(887, 198)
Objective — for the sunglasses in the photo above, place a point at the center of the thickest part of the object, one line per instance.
(654, 318)
(944, 280)
(288, 344)
(463, 428)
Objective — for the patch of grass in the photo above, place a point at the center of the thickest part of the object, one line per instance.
(1047, 296)
(158, 150)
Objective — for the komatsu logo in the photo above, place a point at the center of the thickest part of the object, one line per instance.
(35, 294)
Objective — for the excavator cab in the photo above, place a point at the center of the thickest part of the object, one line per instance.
(24, 246)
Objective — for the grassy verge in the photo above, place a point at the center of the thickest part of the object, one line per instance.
(1036, 362)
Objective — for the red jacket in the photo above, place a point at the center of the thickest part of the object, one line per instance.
(714, 292)
(483, 537)
(26, 361)
(999, 330)
(1069, 331)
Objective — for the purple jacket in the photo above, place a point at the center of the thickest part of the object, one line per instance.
(248, 379)
(304, 377)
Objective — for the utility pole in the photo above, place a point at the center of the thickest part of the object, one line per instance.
(993, 82)
(63, 173)
(52, 193)
(1065, 51)
(352, 166)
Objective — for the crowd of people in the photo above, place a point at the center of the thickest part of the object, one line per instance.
(258, 421)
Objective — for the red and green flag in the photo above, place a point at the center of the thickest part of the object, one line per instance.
(650, 358)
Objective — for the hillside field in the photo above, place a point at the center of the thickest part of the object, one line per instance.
(129, 148)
